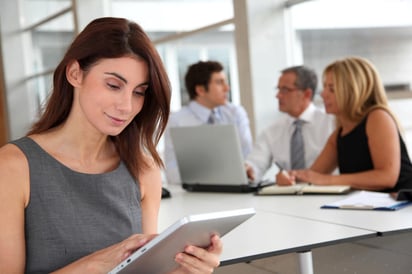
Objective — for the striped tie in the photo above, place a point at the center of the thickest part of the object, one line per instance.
(297, 148)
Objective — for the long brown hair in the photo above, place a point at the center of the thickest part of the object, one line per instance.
(113, 38)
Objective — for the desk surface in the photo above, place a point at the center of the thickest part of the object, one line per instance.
(266, 234)
(301, 206)
(308, 206)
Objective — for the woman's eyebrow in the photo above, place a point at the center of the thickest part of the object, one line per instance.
(124, 79)
(143, 84)
(117, 76)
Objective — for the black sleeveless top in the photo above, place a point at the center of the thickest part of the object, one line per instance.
(354, 156)
(72, 214)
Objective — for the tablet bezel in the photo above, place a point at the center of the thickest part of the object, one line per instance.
(157, 256)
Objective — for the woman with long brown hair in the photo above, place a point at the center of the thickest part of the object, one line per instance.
(82, 190)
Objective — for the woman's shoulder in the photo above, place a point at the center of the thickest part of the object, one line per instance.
(380, 120)
(379, 115)
(150, 165)
(150, 177)
(14, 172)
(12, 161)
(11, 155)
(378, 111)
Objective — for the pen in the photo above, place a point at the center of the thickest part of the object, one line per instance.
(281, 169)
(279, 166)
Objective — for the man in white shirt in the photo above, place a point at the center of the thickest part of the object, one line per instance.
(295, 92)
(208, 91)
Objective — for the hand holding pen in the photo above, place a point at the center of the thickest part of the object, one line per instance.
(281, 169)
(284, 178)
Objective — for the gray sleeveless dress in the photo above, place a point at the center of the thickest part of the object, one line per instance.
(72, 214)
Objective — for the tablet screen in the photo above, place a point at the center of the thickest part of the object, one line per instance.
(157, 256)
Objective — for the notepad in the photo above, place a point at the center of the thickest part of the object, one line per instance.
(368, 200)
(303, 188)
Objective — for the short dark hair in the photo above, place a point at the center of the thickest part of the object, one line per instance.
(305, 77)
(200, 74)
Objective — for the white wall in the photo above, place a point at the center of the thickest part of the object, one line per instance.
(390, 49)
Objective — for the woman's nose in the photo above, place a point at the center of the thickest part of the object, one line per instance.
(124, 103)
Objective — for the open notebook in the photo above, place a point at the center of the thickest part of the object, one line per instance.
(209, 158)
(302, 188)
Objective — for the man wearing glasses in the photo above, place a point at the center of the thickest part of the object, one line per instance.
(296, 138)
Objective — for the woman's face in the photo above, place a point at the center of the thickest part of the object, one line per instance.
(328, 95)
(112, 93)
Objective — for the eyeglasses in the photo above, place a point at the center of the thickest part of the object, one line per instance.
(285, 90)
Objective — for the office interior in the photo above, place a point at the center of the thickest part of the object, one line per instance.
(254, 39)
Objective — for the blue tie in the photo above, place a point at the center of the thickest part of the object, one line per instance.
(297, 148)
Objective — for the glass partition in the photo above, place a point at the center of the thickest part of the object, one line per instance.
(48, 29)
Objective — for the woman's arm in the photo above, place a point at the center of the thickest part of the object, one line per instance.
(383, 142)
(319, 172)
(151, 190)
(14, 195)
(384, 146)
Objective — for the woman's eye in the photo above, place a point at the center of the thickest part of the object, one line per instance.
(139, 93)
(112, 86)
(141, 90)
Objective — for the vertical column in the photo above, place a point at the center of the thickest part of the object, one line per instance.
(4, 121)
(263, 45)
(87, 10)
(14, 55)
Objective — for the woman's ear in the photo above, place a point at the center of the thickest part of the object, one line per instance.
(74, 73)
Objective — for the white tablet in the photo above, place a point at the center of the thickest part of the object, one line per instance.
(157, 256)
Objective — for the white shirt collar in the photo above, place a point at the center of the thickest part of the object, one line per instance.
(307, 115)
(201, 111)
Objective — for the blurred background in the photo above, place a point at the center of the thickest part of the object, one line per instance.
(253, 39)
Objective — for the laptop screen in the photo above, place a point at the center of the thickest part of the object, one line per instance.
(209, 154)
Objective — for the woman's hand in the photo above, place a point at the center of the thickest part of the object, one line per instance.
(310, 176)
(196, 260)
(284, 178)
(106, 259)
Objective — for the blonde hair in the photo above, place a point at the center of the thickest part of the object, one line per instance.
(358, 88)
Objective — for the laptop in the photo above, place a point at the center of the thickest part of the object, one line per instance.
(209, 159)
(157, 256)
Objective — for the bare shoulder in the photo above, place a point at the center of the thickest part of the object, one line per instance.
(150, 178)
(14, 172)
(333, 137)
(11, 157)
(379, 118)
(379, 114)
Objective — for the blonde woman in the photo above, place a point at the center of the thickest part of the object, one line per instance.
(366, 146)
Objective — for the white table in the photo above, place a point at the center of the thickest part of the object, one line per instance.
(266, 234)
(308, 207)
